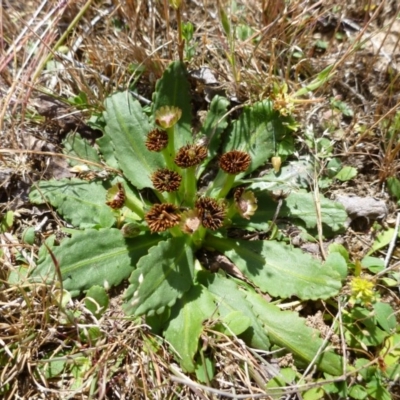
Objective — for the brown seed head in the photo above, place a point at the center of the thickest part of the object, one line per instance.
(116, 196)
(190, 155)
(211, 213)
(157, 140)
(165, 180)
(235, 161)
(162, 217)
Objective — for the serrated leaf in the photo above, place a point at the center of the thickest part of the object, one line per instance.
(287, 329)
(77, 146)
(173, 90)
(297, 206)
(80, 202)
(161, 277)
(257, 131)
(127, 126)
(94, 257)
(229, 298)
(279, 269)
(291, 177)
(186, 323)
(301, 205)
(213, 127)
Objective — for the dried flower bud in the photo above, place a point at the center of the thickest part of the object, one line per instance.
(246, 202)
(167, 117)
(190, 155)
(162, 217)
(130, 230)
(190, 221)
(276, 163)
(116, 196)
(165, 180)
(235, 161)
(211, 213)
(157, 140)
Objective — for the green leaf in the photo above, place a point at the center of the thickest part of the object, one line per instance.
(76, 146)
(346, 174)
(224, 21)
(336, 262)
(322, 78)
(235, 323)
(313, 394)
(205, 371)
(291, 177)
(376, 390)
(161, 277)
(382, 240)
(373, 264)
(186, 323)
(288, 330)
(214, 125)
(94, 257)
(127, 126)
(82, 203)
(333, 167)
(257, 131)
(96, 300)
(229, 298)
(7, 221)
(385, 315)
(279, 269)
(28, 236)
(297, 206)
(107, 151)
(362, 329)
(53, 368)
(357, 392)
(173, 90)
(301, 205)
(394, 187)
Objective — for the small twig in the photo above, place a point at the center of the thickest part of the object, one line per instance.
(58, 270)
(392, 242)
(49, 153)
(319, 216)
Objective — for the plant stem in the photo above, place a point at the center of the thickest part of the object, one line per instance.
(229, 179)
(176, 231)
(134, 204)
(171, 197)
(190, 186)
(169, 151)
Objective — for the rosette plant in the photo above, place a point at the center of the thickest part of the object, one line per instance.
(172, 200)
